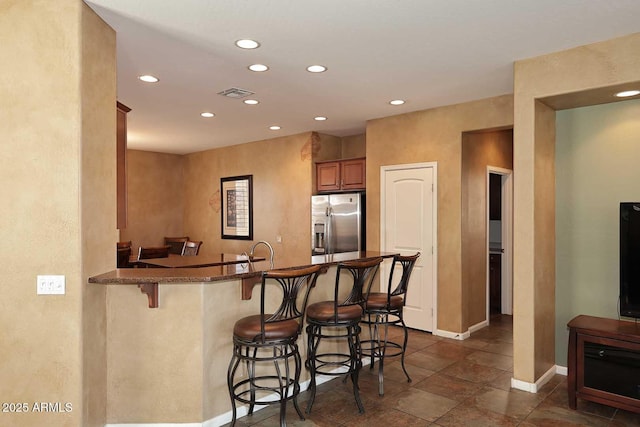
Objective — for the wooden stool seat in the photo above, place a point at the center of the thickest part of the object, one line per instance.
(324, 311)
(377, 300)
(250, 329)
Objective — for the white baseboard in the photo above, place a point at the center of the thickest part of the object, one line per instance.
(157, 425)
(452, 335)
(534, 387)
(478, 326)
(561, 370)
(461, 335)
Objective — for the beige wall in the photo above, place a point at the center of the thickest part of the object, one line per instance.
(354, 146)
(433, 136)
(167, 196)
(155, 355)
(325, 147)
(98, 229)
(479, 150)
(58, 154)
(597, 154)
(282, 172)
(561, 78)
(172, 366)
(155, 204)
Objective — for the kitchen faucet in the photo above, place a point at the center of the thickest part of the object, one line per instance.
(267, 244)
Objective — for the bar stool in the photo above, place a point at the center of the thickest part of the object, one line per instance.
(327, 319)
(386, 308)
(269, 340)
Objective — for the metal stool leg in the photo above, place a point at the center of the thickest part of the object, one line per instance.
(312, 346)
(354, 349)
(404, 349)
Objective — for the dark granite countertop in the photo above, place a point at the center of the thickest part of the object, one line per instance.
(136, 276)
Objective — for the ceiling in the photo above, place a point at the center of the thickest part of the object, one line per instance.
(427, 52)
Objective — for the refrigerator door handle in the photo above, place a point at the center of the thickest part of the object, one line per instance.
(329, 230)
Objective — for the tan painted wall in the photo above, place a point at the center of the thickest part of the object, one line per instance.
(545, 221)
(564, 76)
(326, 147)
(479, 150)
(58, 154)
(433, 136)
(281, 170)
(154, 355)
(154, 198)
(354, 146)
(172, 366)
(98, 195)
(167, 197)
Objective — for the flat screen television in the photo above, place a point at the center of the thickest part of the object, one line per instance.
(630, 259)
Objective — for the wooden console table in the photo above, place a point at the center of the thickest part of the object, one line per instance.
(604, 362)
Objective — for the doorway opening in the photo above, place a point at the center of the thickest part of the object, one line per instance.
(499, 241)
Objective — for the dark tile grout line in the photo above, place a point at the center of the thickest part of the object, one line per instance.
(422, 346)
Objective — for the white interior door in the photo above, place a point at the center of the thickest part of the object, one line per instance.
(408, 224)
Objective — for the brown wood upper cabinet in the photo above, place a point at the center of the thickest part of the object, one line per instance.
(341, 175)
(121, 165)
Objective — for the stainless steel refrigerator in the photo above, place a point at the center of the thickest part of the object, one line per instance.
(337, 223)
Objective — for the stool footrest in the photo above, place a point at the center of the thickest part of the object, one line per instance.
(378, 347)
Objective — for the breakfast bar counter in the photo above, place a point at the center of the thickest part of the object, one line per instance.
(169, 364)
(249, 272)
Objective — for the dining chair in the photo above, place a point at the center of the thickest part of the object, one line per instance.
(123, 244)
(191, 248)
(153, 252)
(123, 255)
(176, 244)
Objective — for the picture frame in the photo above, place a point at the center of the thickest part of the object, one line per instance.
(236, 194)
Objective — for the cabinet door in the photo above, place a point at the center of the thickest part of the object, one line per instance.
(328, 176)
(608, 369)
(353, 174)
(121, 165)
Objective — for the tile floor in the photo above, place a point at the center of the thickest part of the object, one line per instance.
(455, 383)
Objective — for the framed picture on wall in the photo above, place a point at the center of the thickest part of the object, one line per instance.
(237, 207)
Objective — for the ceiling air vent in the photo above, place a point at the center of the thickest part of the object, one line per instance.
(236, 93)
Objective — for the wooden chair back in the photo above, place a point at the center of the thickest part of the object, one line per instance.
(153, 252)
(122, 260)
(176, 243)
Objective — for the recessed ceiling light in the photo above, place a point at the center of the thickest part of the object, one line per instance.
(320, 118)
(316, 68)
(247, 44)
(627, 93)
(258, 68)
(274, 127)
(149, 78)
(397, 102)
(251, 101)
(207, 114)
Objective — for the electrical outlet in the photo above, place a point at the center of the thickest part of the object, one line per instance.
(50, 285)
(278, 239)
